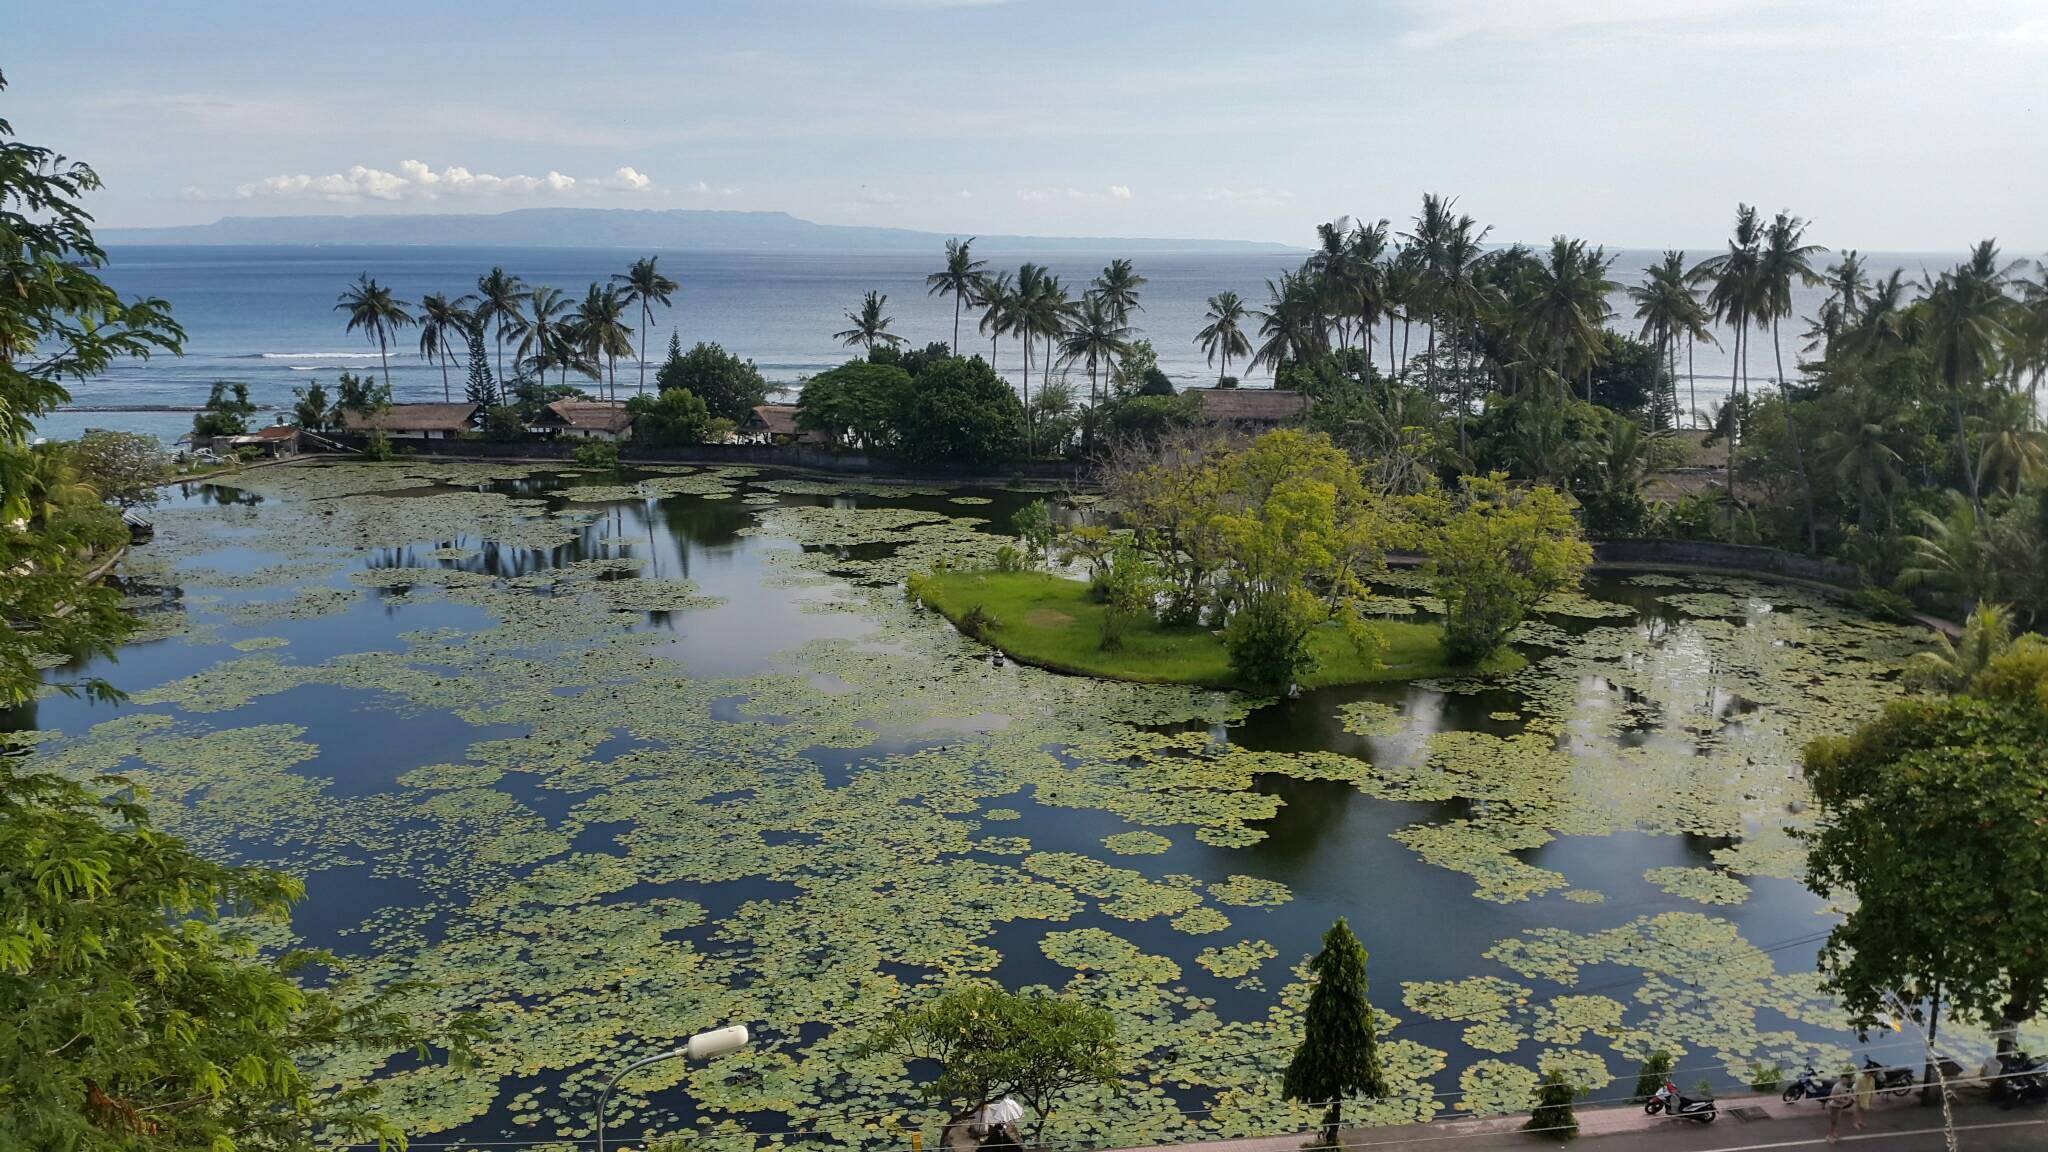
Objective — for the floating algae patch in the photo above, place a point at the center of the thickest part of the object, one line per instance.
(1136, 843)
(610, 854)
(1702, 884)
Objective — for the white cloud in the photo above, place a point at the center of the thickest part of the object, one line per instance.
(1119, 192)
(416, 181)
(1250, 197)
(1078, 195)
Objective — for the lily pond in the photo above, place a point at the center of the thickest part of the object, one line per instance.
(611, 760)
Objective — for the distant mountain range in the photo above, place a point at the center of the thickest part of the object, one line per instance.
(687, 228)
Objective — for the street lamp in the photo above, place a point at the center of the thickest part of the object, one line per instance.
(702, 1046)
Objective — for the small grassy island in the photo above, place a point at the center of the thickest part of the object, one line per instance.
(1251, 567)
(1053, 622)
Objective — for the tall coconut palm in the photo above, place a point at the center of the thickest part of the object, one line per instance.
(645, 286)
(957, 279)
(1462, 298)
(2012, 449)
(536, 325)
(1862, 451)
(1783, 259)
(1118, 285)
(1335, 276)
(1291, 323)
(601, 332)
(870, 324)
(1223, 336)
(376, 313)
(1665, 303)
(1096, 339)
(1402, 282)
(442, 321)
(2028, 324)
(1733, 300)
(1366, 249)
(500, 301)
(1563, 319)
(995, 297)
(1966, 311)
(1039, 310)
(1429, 240)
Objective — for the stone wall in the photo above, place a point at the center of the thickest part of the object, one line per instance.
(752, 455)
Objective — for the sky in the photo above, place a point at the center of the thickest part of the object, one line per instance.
(1893, 126)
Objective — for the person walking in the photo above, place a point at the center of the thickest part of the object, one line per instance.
(1840, 1099)
(1866, 1095)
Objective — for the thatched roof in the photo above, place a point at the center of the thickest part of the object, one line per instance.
(412, 418)
(1249, 405)
(591, 415)
(774, 419)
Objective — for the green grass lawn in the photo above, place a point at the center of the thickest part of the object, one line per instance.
(1049, 621)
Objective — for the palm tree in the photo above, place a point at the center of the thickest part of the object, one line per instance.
(1366, 248)
(957, 279)
(1429, 241)
(1862, 453)
(536, 326)
(1733, 300)
(371, 308)
(1564, 316)
(601, 332)
(1040, 308)
(1402, 279)
(2011, 449)
(645, 287)
(1951, 666)
(1291, 324)
(1966, 312)
(1223, 335)
(1782, 260)
(995, 297)
(499, 299)
(1948, 553)
(1668, 308)
(441, 319)
(870, 324)
(1460, 294)
(1095, 338)
(1118, 285)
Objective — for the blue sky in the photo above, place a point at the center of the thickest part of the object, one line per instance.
(1895, 126)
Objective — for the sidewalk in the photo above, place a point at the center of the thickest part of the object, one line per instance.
(1746, 1124)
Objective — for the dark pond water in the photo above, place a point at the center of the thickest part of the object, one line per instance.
(775, 795)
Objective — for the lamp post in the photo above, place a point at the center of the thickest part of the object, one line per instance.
(702, 1046)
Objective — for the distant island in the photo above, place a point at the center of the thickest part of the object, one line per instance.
(690, 228)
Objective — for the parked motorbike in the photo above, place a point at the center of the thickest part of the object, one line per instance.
(2022, 1079)
(1811, 1086)
(1895, 1081)
(1668, 1100)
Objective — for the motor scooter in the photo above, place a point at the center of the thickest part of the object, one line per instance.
(1668, 1101)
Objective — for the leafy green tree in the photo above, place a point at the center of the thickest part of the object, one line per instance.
(988, 1043)
(957, 279)
(310, 410)
(729, 386)
(362, 395)
(1146, 417)
(1553, 1118)
(226, 412)
(124, 467)
(372, 309)
(1961, 924)
(670, 418)
(1128, 586)
(1965, 312)
(964, 415)
(1651, 1077)
(138, 1020)
(1497, 556)
(859, 401)
(870, 325)
(1950, 666)
(1339, 1051)
(1223, 334)
(645, 286)
(597, 455)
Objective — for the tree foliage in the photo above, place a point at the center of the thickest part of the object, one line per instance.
(124, 467)
(139, 1018)
(729, 386)
(1553, 1117)
(670, 418)
(1932, 815)
(1339, 1052)
(226, 412)
(990, 1043)
(1498, 554)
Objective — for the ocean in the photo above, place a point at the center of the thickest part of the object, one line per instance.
(265, 316)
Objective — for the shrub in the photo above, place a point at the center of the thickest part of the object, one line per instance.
(1267, 638)
(377, 446)
(978, 623)
(1010, 558)
(1128, 589)
(1766, 1078)
(1553, 1118)
(1033, 522)
(1498, 556)
(670, 418)
(599, 455)
(1654, 1072)
(1226, 381)
(502, 424)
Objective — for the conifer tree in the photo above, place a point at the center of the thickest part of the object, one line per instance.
(1339, 1052)
(1553, 1118)
(480, 389)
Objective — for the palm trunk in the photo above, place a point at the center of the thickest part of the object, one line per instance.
(445, 397)
(1732, 423)
(384, 354)
(1429, 373)
(955, 349)
(1792, 432)
(1692, 386)
(1027, 397)
(1955, 394)
(645, 316)
(1404, 343)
